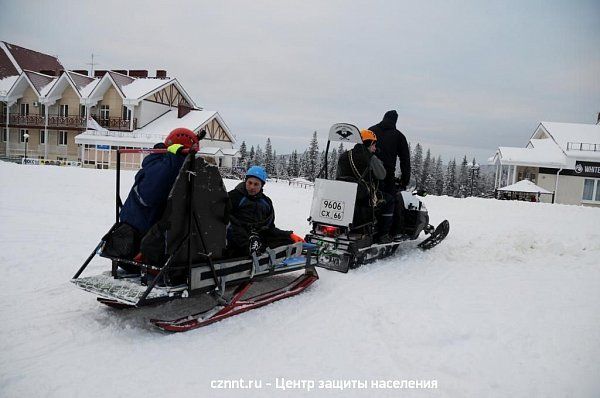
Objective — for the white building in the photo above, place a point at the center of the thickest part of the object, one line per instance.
(563, 158)
(56, 115)
(149, 108)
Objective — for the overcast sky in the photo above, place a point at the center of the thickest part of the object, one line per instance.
(465, 77)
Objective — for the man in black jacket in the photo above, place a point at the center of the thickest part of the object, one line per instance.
(360, 165)
(252, 218)
(391, 144)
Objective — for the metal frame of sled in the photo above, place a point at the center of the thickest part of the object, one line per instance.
(209, 275)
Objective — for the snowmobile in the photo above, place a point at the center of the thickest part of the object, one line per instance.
(190, 258)
(342, 245)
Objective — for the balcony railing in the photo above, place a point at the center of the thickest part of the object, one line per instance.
(57, 121)
(40, 121)
(582, 146)
(115, 123)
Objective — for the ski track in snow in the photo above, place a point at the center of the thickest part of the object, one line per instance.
(507, 305)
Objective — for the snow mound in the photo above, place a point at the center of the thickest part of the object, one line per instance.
(507, 305)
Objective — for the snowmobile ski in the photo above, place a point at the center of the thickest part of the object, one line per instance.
(436, 236)
(237, 305)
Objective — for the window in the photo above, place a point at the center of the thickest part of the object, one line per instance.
(591, 190)
(126, 113)
(62, 138)
(64, 110)
(42, 110)
(4, 134)
(42, 137)
(24, 109)
(82, 110)
(22, 133)
(104, 112)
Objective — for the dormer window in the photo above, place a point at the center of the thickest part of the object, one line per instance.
(64, 110)
(24, 109)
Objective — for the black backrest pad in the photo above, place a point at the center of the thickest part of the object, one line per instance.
(208, 211)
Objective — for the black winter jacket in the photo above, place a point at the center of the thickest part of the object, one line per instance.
(252, 214)
(369, 169)
(148, 196)
(391, 144)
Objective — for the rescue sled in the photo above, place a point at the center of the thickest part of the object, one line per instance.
(341, 245)
(195, 261)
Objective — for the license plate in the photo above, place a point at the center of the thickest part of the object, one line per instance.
(332, 209)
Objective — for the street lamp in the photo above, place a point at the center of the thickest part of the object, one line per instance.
(26, 136)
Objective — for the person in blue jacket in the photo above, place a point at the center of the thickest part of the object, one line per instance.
(252, 217)
(147, 198)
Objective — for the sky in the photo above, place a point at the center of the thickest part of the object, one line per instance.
(464, 76)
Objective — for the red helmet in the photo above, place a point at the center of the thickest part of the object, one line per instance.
(183, 136)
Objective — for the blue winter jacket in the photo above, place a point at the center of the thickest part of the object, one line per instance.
(148, 196)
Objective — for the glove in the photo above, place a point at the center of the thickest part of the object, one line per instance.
(176, 149)
(296, 238)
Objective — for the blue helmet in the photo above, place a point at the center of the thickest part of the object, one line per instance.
(257, 172)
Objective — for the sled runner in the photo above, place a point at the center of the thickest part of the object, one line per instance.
(184, 255)
(342, 245)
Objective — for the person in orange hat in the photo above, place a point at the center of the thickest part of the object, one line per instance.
(361, 165)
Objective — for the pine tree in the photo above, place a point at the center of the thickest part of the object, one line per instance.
(417, 165)
(332, 164)
(425, 171)
(312, 167)
(259, 157)
(439, 177)
(463, 179)
(450, 182)
(269, 166)
(243, 162)
(294, 165)
(251, 157)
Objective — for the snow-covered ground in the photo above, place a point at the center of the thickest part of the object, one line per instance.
(507, 306)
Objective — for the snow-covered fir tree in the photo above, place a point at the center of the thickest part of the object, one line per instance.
(332, 164)
(439, 177)
(251, 156)
(450, 181)
(463, 179)
(293, 168)
(417, 165)
(425, 173)
(312, 161)
(269, 166)
(243, 162)
(259, 157)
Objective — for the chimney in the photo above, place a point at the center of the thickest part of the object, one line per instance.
(183, 110)
(99, 73)
(81, 72)
(161, 74)
(138, 73)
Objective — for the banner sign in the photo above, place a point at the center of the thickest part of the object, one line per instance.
(48, 162)
(103, 147)
(587, 169)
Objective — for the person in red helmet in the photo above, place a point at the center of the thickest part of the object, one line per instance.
(148, 196)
